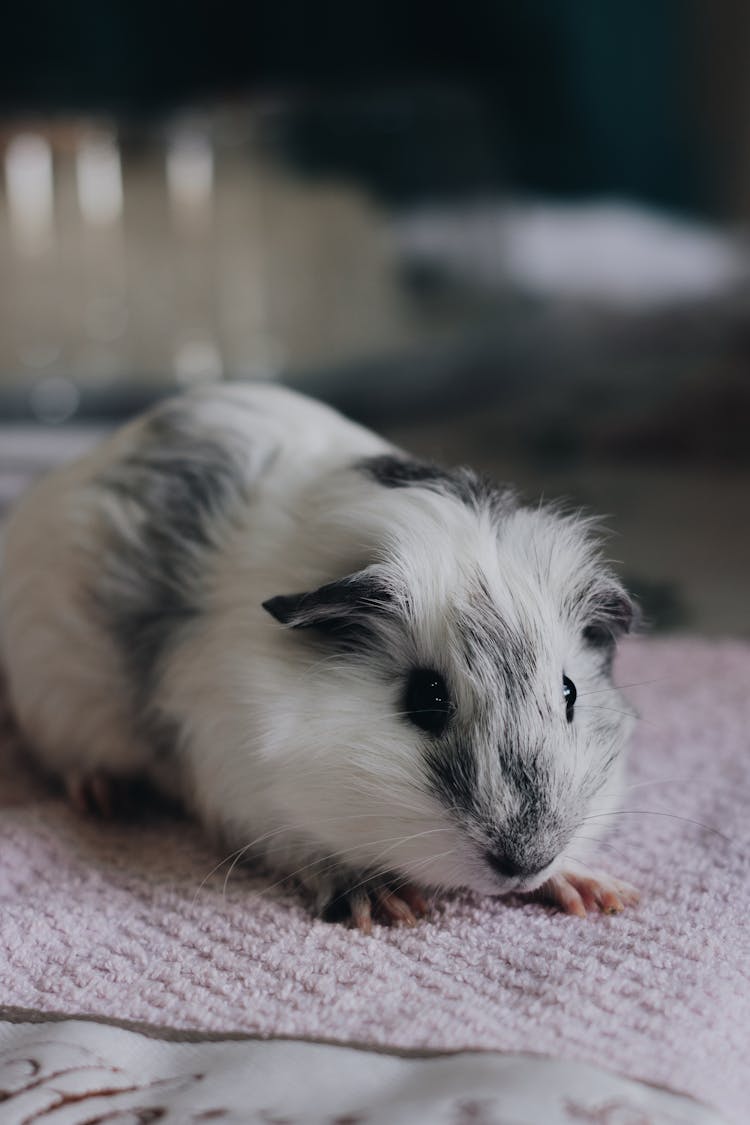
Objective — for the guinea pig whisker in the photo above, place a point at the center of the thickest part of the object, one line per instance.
(587, 839)
(406, 839)
(380, 870)
(659, 781)
(235, 861)
(574, 859)
(379, 873)
(392, 841)
(374, 791)
(624, 687)
(213, 871)
(330, 659)
(429, 859)
(323, 870)
(614, 711)
(658, 812)
(239, 852)
(419, 866)
(336, 856)
(601, 844)
(253, 843)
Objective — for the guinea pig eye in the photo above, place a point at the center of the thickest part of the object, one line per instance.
(427, 701)
(569, 695)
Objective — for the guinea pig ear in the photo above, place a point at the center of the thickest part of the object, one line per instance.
(613, 613)
(343, 608)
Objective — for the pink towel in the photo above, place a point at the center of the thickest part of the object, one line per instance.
(114, 920)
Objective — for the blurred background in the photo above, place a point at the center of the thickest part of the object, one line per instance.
(513, 235)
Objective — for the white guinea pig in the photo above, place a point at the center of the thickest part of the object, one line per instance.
(370, 673)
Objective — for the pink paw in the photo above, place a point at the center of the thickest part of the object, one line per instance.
(362, 907)
(578, 892)
(98, 794)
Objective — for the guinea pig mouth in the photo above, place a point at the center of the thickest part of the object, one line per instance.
(518, 876)
(534, 882)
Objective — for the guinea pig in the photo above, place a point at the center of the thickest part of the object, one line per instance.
(369, 673)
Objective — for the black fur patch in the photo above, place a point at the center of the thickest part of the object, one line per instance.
(527, 779)
(462, 484)
(452, 766)
(337, 909)
(614, 614)
(491, 644)
(345, 610)
(172, 491)
(521, 841)
(504, 662)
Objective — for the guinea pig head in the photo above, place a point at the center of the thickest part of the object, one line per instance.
(464, 724)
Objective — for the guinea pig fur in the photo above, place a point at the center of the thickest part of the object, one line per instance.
(369, 673)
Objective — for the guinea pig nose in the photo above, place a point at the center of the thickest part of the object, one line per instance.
(511, 868)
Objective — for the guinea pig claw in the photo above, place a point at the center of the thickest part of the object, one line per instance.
(361, 912)
(560, 892)
(580, 893)
(393, 908)
(414, 899)
(361, 908)
(96, 794)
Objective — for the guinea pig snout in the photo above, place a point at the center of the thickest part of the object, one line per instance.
(516, 867)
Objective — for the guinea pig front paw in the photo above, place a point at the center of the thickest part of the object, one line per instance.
(99, 794)
(402, 904)
(577, 891)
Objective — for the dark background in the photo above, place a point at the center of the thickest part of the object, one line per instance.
(367, 113)
(636, 97)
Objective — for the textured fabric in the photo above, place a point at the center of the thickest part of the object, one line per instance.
(116, 920)
(84, 1072)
